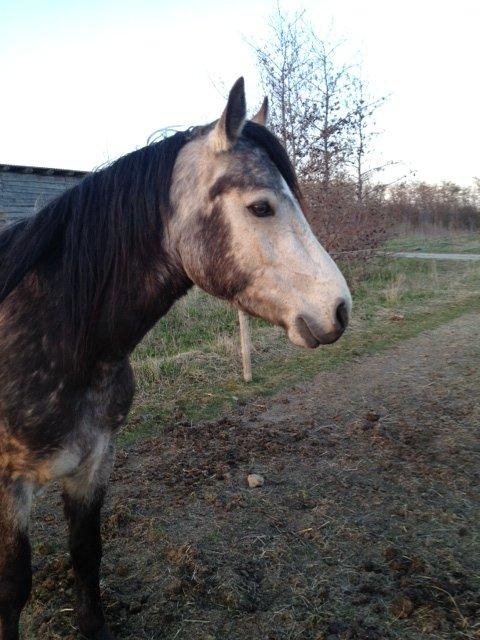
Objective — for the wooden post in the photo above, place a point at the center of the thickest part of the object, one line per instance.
(246, 343)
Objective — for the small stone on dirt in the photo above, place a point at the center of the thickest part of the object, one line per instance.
(255, 480)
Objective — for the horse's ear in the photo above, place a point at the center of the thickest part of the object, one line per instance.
(229, 127)
(261, 117)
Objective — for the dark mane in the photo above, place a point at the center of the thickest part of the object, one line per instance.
(92, 231)
(264, 138)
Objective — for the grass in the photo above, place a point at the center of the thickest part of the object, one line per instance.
(188, 367)
(437, 243)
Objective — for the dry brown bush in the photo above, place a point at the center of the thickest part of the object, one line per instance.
(342, 223)
(424, 207)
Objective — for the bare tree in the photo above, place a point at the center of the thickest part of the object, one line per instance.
(363, 132)
(319, 108)
(284, 62)
(329, 89)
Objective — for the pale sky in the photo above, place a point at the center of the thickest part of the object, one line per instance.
(85, 81)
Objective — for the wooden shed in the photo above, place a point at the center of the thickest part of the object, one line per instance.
(24, 190)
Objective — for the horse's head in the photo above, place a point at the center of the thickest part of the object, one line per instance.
(240, 232)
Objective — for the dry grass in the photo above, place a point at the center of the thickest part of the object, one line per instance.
(395, 289)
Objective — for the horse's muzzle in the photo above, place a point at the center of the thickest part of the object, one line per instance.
(314, 334)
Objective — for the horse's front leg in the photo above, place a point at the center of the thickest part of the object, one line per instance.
(83, 499)
(15, 556)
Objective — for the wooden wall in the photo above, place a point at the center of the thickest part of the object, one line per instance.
(23, 192)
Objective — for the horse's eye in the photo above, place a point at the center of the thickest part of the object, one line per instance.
(261, 209)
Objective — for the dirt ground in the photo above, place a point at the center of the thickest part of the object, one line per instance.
(366, 528)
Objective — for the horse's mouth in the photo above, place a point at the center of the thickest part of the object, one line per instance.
(313, 334)
(306, 334)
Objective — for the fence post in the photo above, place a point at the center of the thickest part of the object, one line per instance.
(246, 344)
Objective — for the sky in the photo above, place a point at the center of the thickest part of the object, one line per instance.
(83, 82)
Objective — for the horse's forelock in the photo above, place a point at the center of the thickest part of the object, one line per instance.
(266, 140)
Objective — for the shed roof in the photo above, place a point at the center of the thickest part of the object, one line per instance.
(44, 171)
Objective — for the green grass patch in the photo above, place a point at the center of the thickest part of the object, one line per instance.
(445, 243)
(188, 367)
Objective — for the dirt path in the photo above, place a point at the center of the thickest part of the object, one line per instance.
(465, 257)
(367, 526)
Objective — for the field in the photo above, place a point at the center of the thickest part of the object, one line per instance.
(366, 526)
(440, 242)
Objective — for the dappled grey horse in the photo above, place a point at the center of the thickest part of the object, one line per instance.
(83, 280)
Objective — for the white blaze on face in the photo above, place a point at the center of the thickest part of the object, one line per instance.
(294, 281)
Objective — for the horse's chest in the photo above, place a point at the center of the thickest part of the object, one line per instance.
(80, 462)
(91, 430)
(67, 436)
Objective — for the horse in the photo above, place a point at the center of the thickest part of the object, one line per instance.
(85, 278)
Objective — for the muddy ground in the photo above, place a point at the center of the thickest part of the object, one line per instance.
(367, 526)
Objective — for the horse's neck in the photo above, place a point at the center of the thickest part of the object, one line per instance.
(141, 309)
(30, 314)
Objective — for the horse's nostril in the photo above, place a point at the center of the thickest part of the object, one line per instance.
(341, 315)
